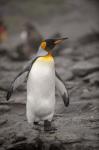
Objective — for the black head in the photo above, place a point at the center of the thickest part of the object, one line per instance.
(49, 44)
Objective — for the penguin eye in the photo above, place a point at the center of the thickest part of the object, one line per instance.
(43, 45)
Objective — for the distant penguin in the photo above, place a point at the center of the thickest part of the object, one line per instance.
(31, 39)
(41, 81)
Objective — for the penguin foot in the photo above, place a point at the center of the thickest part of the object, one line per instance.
(36, 123)
(48, 127)
(37, 126)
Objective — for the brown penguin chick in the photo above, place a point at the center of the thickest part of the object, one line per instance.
(31, 39)
(3, 32)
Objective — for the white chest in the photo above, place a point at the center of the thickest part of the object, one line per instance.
(41, 80)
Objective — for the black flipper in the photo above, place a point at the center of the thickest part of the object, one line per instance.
(9, 93)
(62, 89)
(20, 78)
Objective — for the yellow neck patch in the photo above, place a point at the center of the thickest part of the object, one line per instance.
(43, 45)
(47, 58)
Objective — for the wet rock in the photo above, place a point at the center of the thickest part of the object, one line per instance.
(63, 68)
(90, 51)
(66, 52)
(93, 79)
(89, 38)
(1, 141)
(90, 94)
(3, 51)
(2, 96)
(63, 62)
(4, 109)
(56, 145)
(19, 138)
(2, 148)
(87, 107)
(3, 121)
(22, 146)
(4, 84)
(17, 54)
(6, 78)
(65, 74)
(7, 65)
(83, 68)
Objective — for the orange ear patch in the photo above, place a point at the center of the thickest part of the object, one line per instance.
(43, 45)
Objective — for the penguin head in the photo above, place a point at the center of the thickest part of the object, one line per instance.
(49, 44)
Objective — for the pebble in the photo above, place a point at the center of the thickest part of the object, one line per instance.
(18, 138)
(83, 68)
(93, 78)
(3, 121)
(4, 108)
(1, 141)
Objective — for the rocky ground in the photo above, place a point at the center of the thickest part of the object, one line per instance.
(78, 65)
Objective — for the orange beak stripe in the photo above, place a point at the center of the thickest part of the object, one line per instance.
(58, 41)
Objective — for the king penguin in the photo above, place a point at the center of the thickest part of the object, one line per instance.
(42, 79)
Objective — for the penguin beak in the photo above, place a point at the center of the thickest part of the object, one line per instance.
(59, 41)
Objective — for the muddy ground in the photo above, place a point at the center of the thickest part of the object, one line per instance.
(78, 65)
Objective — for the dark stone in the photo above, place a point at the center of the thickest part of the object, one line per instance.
(84, 68)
